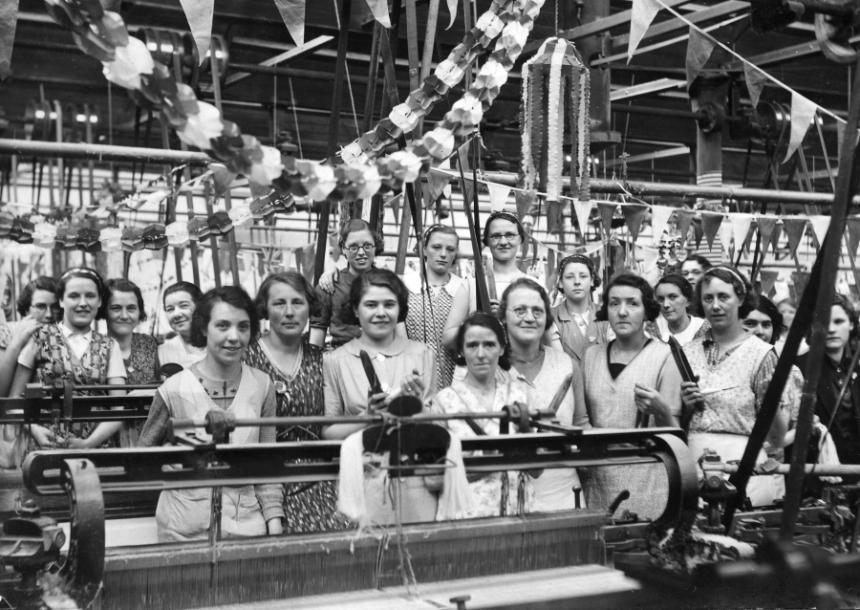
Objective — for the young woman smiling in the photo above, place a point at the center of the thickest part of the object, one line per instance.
(223, 323)
(180, 301)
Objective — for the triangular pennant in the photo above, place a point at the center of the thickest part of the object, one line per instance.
(819, 227)
(852, 224)
(660, 215)
(683, 219)
(740, 229)
(642, 14)
(293, 14)
(379, 9)
(800, 279)
(452, 9)
(437, 183)
(711, 222)
(554, 220)
(766, 225)
(498, 195)
(583, 212)
(794, 228)
(774, 241)
(756, 80)
(768, 279)
(726, 232)
(525, 200)
(634, 214)
(199, 15)
(8, 20)
(699, 49)
(802, 113)
(468, 191)
(607, 211)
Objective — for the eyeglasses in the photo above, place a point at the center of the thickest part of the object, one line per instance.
(497, 237)
(354, 248)
(523, 311)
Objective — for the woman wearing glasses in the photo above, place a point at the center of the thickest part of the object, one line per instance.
(442, 303)
(503, 235)
(358, 242)
(630, 382)
(295, 367)
(545, 371)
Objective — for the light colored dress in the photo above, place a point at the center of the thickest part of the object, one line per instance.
(554, 487)
(686, 336)
(487, 491)
(177, 351)
(611, 404)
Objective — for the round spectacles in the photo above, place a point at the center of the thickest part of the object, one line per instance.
(354, 248)
(497, 237)
(522, 312)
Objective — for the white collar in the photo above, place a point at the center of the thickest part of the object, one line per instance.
(69, 332)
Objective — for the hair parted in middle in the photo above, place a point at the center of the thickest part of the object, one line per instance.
(294, 280)
(740, 284)
(356, 225)
(231, 295)
(381, 278)
(502, 215)
(484, 320)
(768, 308)
(88, 274)
(123, 285)
(530, 284)
(649, 301)
(582, 259)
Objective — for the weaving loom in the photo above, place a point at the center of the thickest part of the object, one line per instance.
(246, 570)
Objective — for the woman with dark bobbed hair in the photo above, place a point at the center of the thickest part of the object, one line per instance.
(224, 323)
(125, 311)
(180, 300)
(294, 365)
(675, 296)
(630, 382)
(734, 369)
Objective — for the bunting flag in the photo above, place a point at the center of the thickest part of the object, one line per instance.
(607, 210)
(819, 227)
(437, 182)
(633, 217)
(802, 113)
(711, 222)
(293, 14)
(379, 10)
(554, 220)
(683, 219)
(199, 14)
(498, 195)
(699, 50)
(726, 233)
(799, 279)
(774, 241)
(452, 9)
(768, 279)
(853, 234)
(525, 200)
(8, 20)
(756, 80)
(660, 215)
(583, 212)
(740, 224)
(766, 226)
(794, 228)
(642, 14)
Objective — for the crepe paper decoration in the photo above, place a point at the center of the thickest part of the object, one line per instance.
(794, 229)
(555, 89)
(293, 14)
(819, 225)
(177, 234)
(660, 215)
(452, 9)
(8, 21)
(766, 226)
(740, 224)
(498, 195)
(768, 279)
(525, 201)
(379, 10)
(607, 211)
(634, 214)
(711, 222)
(756, 80)
(111, 239)
(583, 213)
(642, 13)
(44, 234)
(683, 219)
(853, 234)
(199, 14)
(699, 50)
(802, 114)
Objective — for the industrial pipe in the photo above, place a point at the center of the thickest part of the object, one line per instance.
(101, 152)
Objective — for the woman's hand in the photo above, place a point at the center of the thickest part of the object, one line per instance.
(327, 280)
(23, 331)
(691, 395)
(43, 436)
(413, 385)
(650, 401)
(377, 402)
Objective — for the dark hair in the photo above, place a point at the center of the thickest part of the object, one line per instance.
(766, 306)
(740, 284)
(525, 282)
(842, 301)
(232, 295)
(485, 320)
(649, 302)
(582, 259)
(703, 262)
(502, 215)
(88, 274)
(382, 278)
(294, 280)
(354, 226)
(124, 285)
(192, 290)
(680, 283)
(25, 299)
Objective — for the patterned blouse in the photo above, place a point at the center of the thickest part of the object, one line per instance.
(309, 508)
(142, 363)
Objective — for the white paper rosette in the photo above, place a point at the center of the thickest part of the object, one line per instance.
(177, 234)
(111, 239)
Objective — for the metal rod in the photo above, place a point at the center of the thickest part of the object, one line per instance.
(100, 152)
(822, 470)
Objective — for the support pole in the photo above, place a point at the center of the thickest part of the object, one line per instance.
(709, 94)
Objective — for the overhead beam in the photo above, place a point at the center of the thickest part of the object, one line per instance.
(666, 153)
(654, 86)
(724, 9)
(283, 57)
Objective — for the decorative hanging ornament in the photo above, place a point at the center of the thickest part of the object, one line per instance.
(111, 239)
(555, 85)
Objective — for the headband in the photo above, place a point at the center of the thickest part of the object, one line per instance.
(731, 271)
(83, 272)
(429, 231)
(503, 215)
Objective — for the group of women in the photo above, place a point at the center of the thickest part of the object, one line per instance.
(603, 366)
